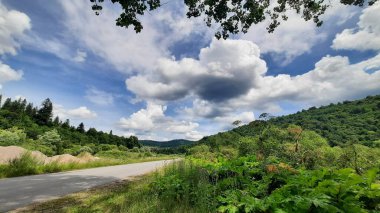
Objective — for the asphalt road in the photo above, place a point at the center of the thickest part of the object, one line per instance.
(22, 191)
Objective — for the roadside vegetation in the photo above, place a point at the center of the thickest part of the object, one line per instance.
(265, 168)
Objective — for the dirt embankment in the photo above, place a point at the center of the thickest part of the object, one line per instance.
(8, 153)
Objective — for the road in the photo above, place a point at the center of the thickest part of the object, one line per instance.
(22, 191)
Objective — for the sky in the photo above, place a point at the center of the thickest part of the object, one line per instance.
(174, 79)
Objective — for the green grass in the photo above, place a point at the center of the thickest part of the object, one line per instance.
(27, 165)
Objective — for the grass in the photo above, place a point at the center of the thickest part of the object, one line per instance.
(27, 165)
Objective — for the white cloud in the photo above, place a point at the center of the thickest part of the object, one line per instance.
(152, 123)
(18, 97)
(56, 47)
(144, 119)
(99, 97)
(80, 57)
(244, 117)
(82, 112)
(292, 38)
(77, 113)
(367, 34)
(8, 74)
(13, 25)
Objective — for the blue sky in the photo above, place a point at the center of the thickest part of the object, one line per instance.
(174, 80)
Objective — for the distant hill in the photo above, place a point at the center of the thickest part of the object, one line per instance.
(166, 144)
(351, 121)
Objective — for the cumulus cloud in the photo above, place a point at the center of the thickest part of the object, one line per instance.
(77, 113)
(292, 38)
(13, 25)
(99, 97)
(226, 69)
(82, 112)
(152, 122)
(8, 74)
(367, 34)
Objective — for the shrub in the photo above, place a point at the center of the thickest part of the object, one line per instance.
(25, 165)
(84, 149)
(113, 154)
(12, 136)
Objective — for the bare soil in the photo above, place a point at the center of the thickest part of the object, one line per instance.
(8, 153)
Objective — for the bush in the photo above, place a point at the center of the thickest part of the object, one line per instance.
(84, 149)
(113, 154)
(13, 136)
(106, 147)
(25, 165)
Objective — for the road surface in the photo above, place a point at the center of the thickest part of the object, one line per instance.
(22, 191)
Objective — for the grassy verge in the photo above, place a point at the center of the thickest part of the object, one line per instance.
(27, 165)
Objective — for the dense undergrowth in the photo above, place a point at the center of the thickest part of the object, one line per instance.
(248, 185)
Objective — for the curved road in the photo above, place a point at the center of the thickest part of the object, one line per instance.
(22, 191)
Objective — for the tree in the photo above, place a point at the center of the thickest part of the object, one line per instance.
(30, 110)
(296, 134)
(56, 121)
(134, 142)
(80, 128)
(266, 116)
(92, 132)
(12, 136)
(45, 113)
(52, 138)
(236, 123)
(66, 124)
(7, 104)
(233, 16)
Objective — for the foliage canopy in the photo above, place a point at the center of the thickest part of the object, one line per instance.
(232, 16)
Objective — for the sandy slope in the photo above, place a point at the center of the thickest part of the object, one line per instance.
(8, 153)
